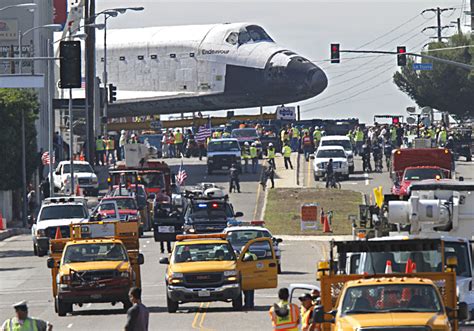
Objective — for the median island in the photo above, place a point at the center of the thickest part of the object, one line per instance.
(283, 209)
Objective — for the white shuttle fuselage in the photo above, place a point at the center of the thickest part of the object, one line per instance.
(174, 69)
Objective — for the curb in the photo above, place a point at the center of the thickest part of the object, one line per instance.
(4, 234)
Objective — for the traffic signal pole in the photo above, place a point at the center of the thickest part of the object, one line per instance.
(90, 80)
(434, 58)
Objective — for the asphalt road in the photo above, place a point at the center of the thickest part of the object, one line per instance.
(25, 277)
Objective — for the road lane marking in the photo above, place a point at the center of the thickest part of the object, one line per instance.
(256, 205)
(366, 175)
(203, 315)
(69, 326)
(196, 316)
(308, 175)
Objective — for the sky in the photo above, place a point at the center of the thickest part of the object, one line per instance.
(360, 86)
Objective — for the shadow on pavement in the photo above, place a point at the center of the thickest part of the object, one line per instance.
(5, 254)
(118, 311)
(158, 309)
(14, 269)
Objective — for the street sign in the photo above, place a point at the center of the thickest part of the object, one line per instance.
(155, 125)
(422, 66)
(286, 113)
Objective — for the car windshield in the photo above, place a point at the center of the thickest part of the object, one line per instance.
(203, 252)
(426, 261)
(132, 190)
(95, 252)
(240, 237)
(331, 153)
(223, 146)
(211, 211)
(153, 179)
(391, 298)
(244, 133)
(423, 173)
(344, 143)
(62, 211)
(121, 204)
(77, 168)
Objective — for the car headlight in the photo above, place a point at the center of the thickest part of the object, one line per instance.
(125, 274)
(176, 278)
(231, 273)
(188, 228)
(40, 233)
(65, 278)
(94, 180)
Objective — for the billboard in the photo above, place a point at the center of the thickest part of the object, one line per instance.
(8, 29)
(60, 12)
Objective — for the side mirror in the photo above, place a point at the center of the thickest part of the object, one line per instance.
(279, 240)
(164, 260)
(463, 311)
(50, 263)
(319, 314)
(311, 156)
(239, 214)
(141, 258)
(57, 173)
(247, 258)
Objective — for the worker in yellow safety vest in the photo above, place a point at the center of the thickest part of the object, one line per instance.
(316, 137)
(246, 155)
(271, 155)
(295, 138)
(178, 142)
(286, 151)
(359, 140)
(442, 137)
(254, 157)
(284, 315)
(99, 150)
(21, 322)
(110, 148)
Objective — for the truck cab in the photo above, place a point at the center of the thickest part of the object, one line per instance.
(99, 263)
(205, 268)
(86, 178)
(222, 153)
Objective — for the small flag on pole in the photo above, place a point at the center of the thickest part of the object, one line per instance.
(181, 176)
(45, 158)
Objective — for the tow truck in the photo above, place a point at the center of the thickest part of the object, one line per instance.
(205, 268)
(410, 300)
(410, 165)
(99, 263)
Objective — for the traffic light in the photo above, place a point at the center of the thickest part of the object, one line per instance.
(112, 93)
(401, 56)
(335, 57)
(395, 120)
(70, 64)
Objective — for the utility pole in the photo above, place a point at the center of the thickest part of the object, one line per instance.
(472, 16)
(439, 28)
(90, 80)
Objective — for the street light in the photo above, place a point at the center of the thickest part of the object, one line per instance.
(113, 12)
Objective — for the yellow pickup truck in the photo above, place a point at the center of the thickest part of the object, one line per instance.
(205, 268)
(99, 263)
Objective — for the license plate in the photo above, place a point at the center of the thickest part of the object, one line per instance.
(204, 293)
(166, 229)
(96, 296)
(225, 167)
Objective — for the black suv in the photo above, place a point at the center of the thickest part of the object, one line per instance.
(203, 215)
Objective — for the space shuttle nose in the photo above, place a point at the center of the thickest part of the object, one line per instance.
(306, 77)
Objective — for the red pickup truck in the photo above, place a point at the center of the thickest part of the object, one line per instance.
(415, 164)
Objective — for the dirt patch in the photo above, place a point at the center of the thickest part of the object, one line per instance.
(283, 209)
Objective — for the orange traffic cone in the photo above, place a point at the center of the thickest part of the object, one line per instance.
(326, 227)
(409, 266)
(58, 234)
(388, 267)
(1, 221)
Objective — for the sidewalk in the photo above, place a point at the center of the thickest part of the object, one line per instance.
(285, 178)
(4, 234)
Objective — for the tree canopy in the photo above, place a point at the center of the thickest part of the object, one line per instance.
(12, 102)
(446, 88)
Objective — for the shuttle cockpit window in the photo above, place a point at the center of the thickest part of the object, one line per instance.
(233, 38)
(252, 33)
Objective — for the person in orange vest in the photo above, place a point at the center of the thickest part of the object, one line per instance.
(284, 315)
(307, 309)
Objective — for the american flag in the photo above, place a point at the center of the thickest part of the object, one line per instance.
(181, 175)
(45, 158)
(203, 133)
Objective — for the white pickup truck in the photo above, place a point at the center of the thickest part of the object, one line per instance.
(86, 178)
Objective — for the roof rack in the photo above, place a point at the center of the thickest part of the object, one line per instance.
(182, 237)
(66, 199)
